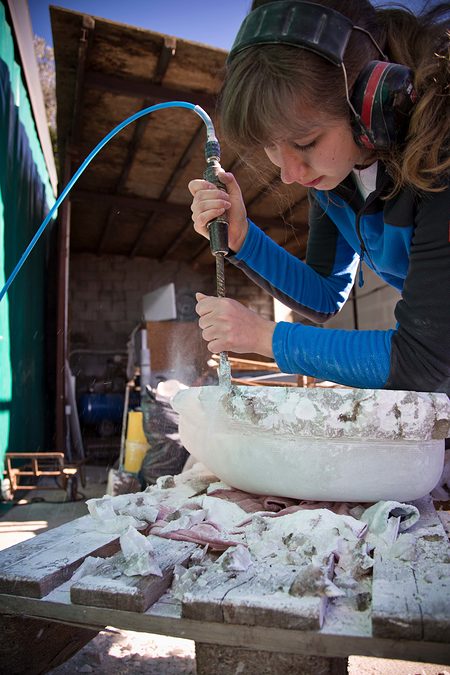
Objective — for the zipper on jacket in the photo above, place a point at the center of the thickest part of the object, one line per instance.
(342, 191)
(360, 273)
(362, 249)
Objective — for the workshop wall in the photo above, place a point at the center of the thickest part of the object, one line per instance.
(375, 306)
(105, 304)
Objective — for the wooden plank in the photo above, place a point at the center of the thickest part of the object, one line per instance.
(45, 540)
(432, 574)
(109, 587)
(165, 338)
(204, 601)
(395, 605)
(249, 637)
(411, 597)
(257, 597)
(138, 88)
(47, 567)
(256, 605)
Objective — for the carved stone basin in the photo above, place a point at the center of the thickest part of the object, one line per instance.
(319, 444)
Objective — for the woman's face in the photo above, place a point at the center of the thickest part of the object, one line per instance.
(321, 158)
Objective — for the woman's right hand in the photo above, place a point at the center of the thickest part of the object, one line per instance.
(210, 202)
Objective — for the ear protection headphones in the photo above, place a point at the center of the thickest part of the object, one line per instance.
(383, 95)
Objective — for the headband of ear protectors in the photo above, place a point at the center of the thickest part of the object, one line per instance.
(383, 94)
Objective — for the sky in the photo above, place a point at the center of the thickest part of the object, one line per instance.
(214, 23)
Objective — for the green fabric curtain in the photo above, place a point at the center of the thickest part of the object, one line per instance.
(25, 198)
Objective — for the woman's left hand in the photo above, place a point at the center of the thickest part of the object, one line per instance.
(229, 326)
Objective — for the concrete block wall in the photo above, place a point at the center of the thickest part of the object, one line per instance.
(105, 305)
(106, 295)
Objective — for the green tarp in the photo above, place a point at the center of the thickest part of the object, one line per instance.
(25, 198)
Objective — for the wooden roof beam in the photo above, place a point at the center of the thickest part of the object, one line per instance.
(143, 204)
(128, 202)
(141, 89)
(185, 231)
(184, 161)
(148, 225)
(167, 52)
(165, 56)
(84, 44)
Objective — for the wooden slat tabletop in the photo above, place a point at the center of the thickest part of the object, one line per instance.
(408, 617)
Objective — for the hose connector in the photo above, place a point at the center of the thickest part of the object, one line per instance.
(218, 228)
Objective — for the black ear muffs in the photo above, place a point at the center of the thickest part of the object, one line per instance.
(383, 97)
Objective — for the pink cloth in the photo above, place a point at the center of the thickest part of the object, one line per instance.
(253, 503)
(205, 533)
(278, 506)
(208, 533)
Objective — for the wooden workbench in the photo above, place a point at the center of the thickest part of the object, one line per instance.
(407, 615)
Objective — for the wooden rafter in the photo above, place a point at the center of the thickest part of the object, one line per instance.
(84, 44)
(145, 205)
(183, 162)
(141, 89)
(130, 202)
(167, 52)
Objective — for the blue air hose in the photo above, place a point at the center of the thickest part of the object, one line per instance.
(211, 136)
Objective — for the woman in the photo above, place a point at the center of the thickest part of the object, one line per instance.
(384, 201)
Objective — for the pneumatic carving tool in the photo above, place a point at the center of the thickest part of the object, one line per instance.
(218, 239)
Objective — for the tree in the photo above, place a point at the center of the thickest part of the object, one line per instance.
(46, 64)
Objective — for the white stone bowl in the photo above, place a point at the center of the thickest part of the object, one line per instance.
(336, 445)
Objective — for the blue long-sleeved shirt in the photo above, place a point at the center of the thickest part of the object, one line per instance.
(405, 240)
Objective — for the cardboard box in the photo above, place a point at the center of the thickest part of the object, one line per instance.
(176, 345)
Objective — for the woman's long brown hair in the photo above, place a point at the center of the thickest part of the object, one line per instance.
(269, 90)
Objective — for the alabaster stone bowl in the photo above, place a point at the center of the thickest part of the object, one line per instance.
(333, 444)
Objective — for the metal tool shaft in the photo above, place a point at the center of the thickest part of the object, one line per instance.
(224, 364)
(218, 238)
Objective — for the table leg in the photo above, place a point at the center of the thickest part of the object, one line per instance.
(219, 660)
(35, 646)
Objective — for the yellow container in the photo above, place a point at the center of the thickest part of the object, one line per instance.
(136, 444)
(134, 455)
(135, 427)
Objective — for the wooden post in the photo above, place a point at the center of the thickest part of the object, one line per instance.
(62, 314)
(220, 660)
(87, 28)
